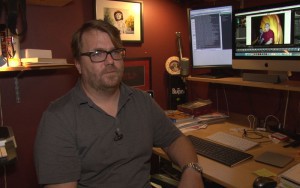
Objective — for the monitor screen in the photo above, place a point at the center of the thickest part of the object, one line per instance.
(267, 37)
(211, 36)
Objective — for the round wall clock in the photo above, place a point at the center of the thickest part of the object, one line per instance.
(172, 65)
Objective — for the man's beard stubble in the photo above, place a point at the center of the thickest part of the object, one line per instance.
(106, 80)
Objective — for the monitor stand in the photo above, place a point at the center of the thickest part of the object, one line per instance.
(270, 77)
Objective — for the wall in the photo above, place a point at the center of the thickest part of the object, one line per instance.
(58, 23)
(52, 27)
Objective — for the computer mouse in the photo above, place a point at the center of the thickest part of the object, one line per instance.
(264, 182)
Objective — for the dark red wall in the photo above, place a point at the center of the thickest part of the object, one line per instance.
(52, 27)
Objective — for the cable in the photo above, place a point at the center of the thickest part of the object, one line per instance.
(271, 116)
(217, 95)
(285, 110)
(252, 124)
(226, 100)
(254, 132)
(250, 133)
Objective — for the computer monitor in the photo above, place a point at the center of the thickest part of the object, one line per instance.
(211, 38)
(267, 39)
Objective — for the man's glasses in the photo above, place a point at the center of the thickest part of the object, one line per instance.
(101, 55)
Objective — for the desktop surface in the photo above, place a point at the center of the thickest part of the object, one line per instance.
(241, 175)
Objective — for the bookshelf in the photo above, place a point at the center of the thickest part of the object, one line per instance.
(287, 86)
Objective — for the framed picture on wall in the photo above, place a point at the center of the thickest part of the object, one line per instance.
(137, 72)
(127, 16)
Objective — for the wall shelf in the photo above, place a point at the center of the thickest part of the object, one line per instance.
(288, 85)
(39, 67)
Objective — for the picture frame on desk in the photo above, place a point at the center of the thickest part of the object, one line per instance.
(127, 16)
(137, 72)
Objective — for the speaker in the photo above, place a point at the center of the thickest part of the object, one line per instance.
(176, 91)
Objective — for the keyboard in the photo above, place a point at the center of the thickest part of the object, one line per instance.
(232, 141)
(219, 153)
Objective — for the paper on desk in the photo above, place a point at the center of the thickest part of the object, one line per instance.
(264, 172)
(292, 174)
(192, 128)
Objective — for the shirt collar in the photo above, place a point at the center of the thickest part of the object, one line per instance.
(81, 98)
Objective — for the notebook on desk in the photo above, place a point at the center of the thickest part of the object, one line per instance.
(274, 159)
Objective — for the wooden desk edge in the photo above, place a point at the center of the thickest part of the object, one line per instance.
(288, 85)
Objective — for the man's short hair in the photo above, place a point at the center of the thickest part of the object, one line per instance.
(100, 25)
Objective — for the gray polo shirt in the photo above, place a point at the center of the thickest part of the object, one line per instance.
(76, 140)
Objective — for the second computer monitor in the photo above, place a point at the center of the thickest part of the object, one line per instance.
(211, 36)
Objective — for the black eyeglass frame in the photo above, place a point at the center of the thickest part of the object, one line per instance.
(89, 54)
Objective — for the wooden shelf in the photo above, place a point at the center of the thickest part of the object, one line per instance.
(47, 66)
(57, 3)
(288, 85)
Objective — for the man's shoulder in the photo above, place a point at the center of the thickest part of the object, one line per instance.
(129, 90)
(66, 101)
(137, 93)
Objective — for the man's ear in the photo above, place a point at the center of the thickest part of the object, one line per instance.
(78, 66)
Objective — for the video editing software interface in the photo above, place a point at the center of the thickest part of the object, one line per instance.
(267, 33)
(211, 36)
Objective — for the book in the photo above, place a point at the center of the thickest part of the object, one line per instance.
(202, 121)
(28, 53)
(212, 117)
(196, 107)
(284, 183)
(33, 60)
(178, 116)
(187, 123)
(291, 177)
(46, 64)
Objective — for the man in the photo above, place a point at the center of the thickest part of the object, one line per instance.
(268, 35)
(101, 133)
(259, 39)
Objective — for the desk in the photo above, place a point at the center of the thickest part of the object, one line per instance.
(242, 174)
